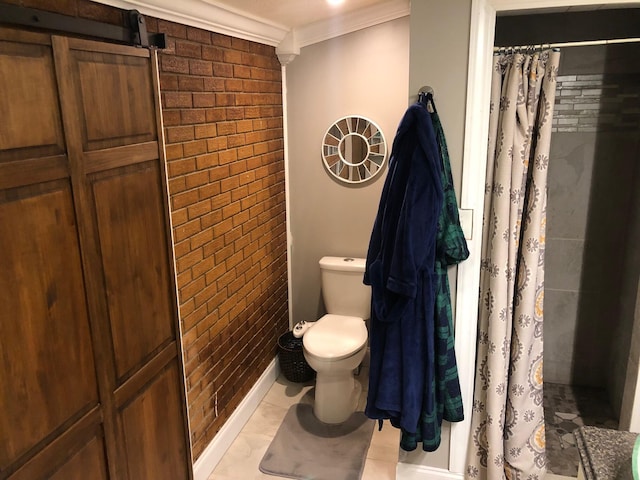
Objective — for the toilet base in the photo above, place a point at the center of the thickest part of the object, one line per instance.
(336, 397)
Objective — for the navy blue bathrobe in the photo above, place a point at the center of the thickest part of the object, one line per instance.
(400, 270)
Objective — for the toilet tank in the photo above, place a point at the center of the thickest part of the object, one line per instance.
(342, 288)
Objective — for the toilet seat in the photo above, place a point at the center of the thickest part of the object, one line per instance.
(334, 337)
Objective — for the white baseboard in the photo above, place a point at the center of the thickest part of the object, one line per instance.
(408, 471)
(212, 454)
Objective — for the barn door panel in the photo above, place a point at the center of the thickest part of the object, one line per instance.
(109, 114)
(47, 369)
(90, 361)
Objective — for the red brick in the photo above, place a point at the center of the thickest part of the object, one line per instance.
(172, 29)
(244, 99)
(219, 173)
(207, 161)
(186, 198)
(181, 166)
(177, 185)
(188, 49)
(205, 131)
(201, 238)
(210, 219)
(212, 84)
(252, 112)
(204, 100)
(209, 190)
(216, 114)
(194, 148)
(229, 184)
(179, 134)
(227, 156)
(230, 211)
(236, 140)
(215, 144)
(177, 100)
(174, 64)
(221, 40)
(171, 118)
(186, 230)
(190, 84)
(192, 116)
(168, 82)
(213, 53)
(260, 148)
(173, 151)
(233, 56)
(225, 99)
(241, 71)
(244, 126)
(219, 202)
(222, 70)
(196, 179)
(235, 113)
(198, 35)
(247, 177)
(100, 13)
(200, 67)
(226, 128)
(179, 217)
(233, 85)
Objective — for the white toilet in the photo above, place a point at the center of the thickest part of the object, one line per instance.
(337, 343)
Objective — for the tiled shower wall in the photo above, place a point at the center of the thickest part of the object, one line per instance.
(593, 177)
(222, 109)
(597, 102)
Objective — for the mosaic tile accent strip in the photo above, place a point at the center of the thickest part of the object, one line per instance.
(589, 103)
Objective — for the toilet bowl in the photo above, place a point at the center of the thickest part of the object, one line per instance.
(334, 348)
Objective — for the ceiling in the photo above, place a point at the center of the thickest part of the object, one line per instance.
(293, 13)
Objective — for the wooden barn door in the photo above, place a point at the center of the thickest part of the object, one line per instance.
(91, 382)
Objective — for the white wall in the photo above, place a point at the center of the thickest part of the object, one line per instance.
(363, 73)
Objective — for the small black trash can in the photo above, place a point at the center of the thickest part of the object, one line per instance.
(292, 361)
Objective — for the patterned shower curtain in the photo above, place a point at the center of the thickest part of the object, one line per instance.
(507, 425)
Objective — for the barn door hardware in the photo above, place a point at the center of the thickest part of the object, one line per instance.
(133, 33)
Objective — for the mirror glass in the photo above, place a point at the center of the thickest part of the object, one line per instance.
(354, 149)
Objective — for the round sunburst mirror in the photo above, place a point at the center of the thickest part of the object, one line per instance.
(354, 149)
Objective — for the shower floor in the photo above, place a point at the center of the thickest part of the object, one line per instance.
(567, 407)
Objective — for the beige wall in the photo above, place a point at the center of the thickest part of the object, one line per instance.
(375, 72)
(363, 73)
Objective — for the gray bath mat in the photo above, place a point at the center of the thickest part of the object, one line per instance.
(306, 448)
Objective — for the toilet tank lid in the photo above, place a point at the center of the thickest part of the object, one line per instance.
(345, 264)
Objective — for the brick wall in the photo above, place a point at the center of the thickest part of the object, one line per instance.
(222, 110)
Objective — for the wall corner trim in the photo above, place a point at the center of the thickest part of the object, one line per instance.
(213, 453)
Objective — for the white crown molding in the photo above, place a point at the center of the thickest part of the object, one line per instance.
(208, 15)
(350, 22)
(205, 15)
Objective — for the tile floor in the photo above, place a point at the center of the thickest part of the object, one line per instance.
(242, 459)
(567, 407)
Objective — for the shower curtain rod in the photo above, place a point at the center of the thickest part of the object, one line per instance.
(570, 44)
